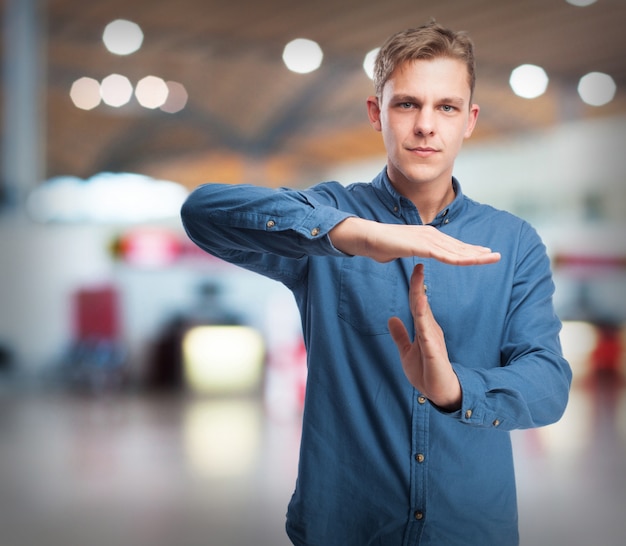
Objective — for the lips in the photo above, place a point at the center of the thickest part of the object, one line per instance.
(424, 151)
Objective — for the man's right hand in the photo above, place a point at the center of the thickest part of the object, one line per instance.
(386, 242)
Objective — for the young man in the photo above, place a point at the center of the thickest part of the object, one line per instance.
(418, 367)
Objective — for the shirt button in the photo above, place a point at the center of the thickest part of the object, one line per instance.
(468, 413)
(446, 221)
(496, 422)
(419, 458)
(418, 514)
(270, 224)
(315, 231)
(395, 209)
(421, 399)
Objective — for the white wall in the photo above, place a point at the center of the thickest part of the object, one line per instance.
(40, 267)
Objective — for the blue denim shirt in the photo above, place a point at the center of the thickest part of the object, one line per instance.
(379, 464)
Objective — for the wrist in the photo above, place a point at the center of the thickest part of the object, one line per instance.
(450, 400)
(349, 235)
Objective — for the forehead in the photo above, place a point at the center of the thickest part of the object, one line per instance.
(441, 75)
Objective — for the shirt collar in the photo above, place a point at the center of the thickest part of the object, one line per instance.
(396, 202)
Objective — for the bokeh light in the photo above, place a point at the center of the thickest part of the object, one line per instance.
(176, 98)
(581, 3)
(122, 37)
(302, 55)
(597, 88)
(116, 90)
(85, 93)
(368, 62)
(529, 81)
(151, 92)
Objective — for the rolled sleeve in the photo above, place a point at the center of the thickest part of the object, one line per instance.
(231, 221)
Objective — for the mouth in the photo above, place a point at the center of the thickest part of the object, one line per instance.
(423, 151)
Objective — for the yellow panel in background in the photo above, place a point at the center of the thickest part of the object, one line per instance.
(223, 359)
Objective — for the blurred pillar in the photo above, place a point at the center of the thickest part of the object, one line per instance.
(23, 116)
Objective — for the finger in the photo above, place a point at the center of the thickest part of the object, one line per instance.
(417, 291)
(454, 251)
(426, 327)
(410, 355)
(473, 256)
(482, 258)
(399, 334)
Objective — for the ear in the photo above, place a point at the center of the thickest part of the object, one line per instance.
(472, 119)
(373, 112)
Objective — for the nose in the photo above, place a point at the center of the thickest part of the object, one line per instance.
(424, 122)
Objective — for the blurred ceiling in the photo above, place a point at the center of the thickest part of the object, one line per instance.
(248, 118)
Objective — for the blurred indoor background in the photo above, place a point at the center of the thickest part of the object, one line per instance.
(150, 394)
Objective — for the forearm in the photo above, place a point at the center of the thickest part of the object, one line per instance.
(527, 394)
(386, 242)
(223, 219)
(352, 236)
(527, 383)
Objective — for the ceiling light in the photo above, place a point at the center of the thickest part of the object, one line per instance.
(85, 93)
(581, 3)
(122, 37)
(528, 81)
(107, 198)
(151, 92)
(596, 88)
(116, 90)
(302, 55)
(368, 62)
(176, 98)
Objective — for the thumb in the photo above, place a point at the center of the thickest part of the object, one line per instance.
(399, 334)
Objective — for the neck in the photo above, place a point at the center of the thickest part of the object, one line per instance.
(429, 199)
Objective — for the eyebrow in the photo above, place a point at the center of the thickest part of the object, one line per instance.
(458, 101)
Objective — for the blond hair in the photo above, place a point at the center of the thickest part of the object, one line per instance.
(428, 41)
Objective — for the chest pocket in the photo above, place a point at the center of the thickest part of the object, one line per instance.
(369, 294)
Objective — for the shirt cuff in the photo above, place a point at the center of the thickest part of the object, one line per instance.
(474, 410)
(318, 224)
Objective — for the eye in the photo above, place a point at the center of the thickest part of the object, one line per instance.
(447, 108)
(405, 105)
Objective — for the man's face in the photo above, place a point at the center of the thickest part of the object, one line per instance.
(424, 115)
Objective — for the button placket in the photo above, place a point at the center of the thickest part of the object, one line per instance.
(420, 429)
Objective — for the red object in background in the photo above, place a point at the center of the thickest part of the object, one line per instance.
(606, 357)
(96, 313)
(148, 247)
(588, 266)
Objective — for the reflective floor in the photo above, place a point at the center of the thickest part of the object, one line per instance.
(135, 470)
